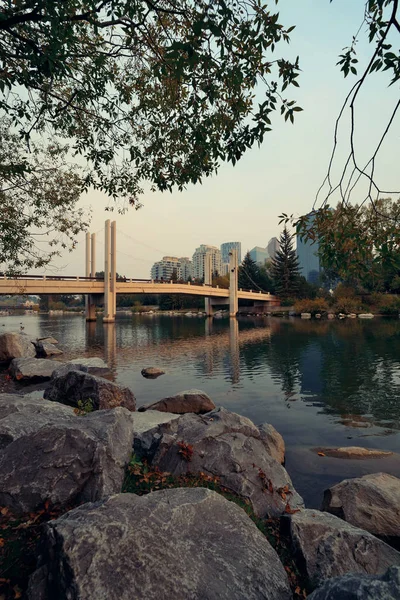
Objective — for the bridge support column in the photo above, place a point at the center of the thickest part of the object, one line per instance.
(93, 256)
(233, 283)
(90, 307)
(208, 281)
(113, 282)
(109, 272)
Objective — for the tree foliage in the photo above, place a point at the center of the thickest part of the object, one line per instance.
(360, 244)
(38, 196)
(221, 281)
(285, 267)
(145, 91)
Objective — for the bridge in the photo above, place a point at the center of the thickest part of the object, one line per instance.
(106, 289)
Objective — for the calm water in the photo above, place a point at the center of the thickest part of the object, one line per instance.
(319, 383)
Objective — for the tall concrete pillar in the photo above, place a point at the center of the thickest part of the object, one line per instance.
(93, 256)
(89, 300)
(233, 283)
(87, 256)
(108, 301)
(113, 282)
(90, 309)
(208, 281)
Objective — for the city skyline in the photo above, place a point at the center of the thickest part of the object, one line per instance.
(183, 266)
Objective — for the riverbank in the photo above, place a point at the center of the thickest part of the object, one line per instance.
(319, 383)
(216, 466)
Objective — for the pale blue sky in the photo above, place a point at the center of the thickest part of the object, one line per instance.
(242, 203)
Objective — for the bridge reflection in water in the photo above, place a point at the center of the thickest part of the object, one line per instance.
(216, 347)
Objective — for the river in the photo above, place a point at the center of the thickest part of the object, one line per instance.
(320, 383)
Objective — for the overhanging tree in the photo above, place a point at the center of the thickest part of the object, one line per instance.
(285, 267)
(346, 171)
(145, 91)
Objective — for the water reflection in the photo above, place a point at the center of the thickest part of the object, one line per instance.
(110, 345)
(234, 350)
(348, 371)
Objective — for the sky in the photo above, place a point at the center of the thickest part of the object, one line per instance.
(243, 203)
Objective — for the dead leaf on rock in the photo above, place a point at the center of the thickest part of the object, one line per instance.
(291, 511)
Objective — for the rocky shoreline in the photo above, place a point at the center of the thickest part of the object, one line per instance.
(181, 499)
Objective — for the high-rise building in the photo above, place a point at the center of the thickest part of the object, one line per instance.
(227, 247)
(164, 269)
(307, 253)
(273, 247)
(185, 268)
(259, 255)
(198, 260)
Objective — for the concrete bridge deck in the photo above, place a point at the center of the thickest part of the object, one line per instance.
(41, 285)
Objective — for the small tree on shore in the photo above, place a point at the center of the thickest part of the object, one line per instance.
(285, 267)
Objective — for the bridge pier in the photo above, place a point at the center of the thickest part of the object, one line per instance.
(90, 308)
(90, 270)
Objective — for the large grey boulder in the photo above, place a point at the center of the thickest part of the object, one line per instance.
(28, 369)
(371, 502)
(360, 587)
(189, 401)
(68, 459)
(16, 345)
(45, 349)
(74, 386)
(329, 547)
(189, 544)
(230, 447)
(21, 415)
